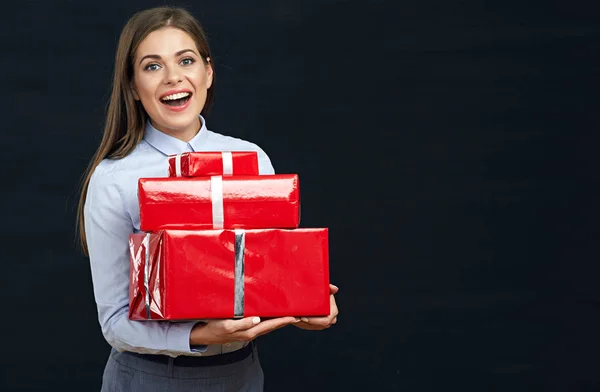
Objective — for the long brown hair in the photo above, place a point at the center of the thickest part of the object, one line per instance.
(126, 117)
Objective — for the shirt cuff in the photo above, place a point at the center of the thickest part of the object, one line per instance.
(178, 338)
(199, 349)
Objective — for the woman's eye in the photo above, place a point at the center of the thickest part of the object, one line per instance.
(187, 61)
(151, 67)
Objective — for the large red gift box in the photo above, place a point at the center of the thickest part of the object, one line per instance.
(219, 202)
(197, 164)
(208, 274)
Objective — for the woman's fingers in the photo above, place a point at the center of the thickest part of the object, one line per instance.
(267, 326)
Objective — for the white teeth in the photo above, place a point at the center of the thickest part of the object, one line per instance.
(175, 96)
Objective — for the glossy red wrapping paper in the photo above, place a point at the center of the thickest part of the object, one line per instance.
(248, 202)
(197, 164)
(191, 274)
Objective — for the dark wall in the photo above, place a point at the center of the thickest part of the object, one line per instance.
(448, 146)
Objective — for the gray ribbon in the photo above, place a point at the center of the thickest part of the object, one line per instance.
(240, 244)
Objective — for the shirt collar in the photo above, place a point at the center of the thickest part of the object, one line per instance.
(170, 145)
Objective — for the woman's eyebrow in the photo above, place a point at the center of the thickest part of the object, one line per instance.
(157, 57)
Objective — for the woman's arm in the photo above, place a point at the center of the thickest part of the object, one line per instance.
(107, 227)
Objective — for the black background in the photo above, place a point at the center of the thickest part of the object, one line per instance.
(448, 146)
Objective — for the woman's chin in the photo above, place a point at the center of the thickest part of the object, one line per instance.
(180, 126)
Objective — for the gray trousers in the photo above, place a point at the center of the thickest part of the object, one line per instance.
(128, 373)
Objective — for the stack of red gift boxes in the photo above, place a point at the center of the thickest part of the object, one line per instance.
(218, 240)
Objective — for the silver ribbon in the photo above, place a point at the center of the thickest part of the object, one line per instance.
(216, 196)
(240, 244)
(227, 163)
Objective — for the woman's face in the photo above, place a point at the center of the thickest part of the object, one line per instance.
(171, 81)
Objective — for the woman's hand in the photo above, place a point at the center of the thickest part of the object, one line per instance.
(319, 323)
(245, 330)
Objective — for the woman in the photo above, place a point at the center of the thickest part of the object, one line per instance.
(163, 86)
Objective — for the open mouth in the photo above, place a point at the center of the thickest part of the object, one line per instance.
(175, 100)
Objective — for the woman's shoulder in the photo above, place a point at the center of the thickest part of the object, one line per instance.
(112, 170)
(224, 142)
(232, 143)
(110, 166)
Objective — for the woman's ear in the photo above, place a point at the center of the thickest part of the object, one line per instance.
(209, 73)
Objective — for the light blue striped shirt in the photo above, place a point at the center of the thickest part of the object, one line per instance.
(112, 213)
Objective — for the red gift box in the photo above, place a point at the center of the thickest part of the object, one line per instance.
(197, 164)
(208, 274)
(218, 202)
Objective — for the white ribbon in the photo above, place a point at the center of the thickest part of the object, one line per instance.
(216, 196)
(227, 163)
(178, 165)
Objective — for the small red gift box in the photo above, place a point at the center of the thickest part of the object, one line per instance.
(208, 274)
(197, 164)
(218, 202)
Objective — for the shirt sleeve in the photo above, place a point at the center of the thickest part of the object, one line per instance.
(107, 228)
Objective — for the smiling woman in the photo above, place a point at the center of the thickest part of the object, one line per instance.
(162, 88)
(171, 79)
